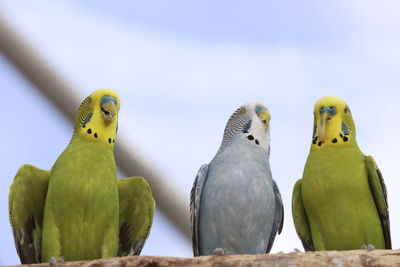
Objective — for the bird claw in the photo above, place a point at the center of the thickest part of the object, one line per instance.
(219, 252)
(368, 247)
(296, 250)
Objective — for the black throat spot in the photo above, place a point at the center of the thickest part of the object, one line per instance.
(335, 140)
(95, 135)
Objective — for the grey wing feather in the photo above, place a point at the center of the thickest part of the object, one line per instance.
(278, 219)
(195, 196)
(127, 247)
(24, 241)
(137, 247)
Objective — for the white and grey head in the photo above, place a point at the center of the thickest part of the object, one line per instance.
(249, 123)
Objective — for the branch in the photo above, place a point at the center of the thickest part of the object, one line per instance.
(322, 258)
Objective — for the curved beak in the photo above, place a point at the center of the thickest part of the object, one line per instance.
(321, 125)
(108, 108)
(264, 117)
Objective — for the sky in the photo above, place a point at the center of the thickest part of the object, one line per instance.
(181, 68)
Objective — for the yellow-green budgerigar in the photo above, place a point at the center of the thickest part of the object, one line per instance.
(340, 203)
(79, 210)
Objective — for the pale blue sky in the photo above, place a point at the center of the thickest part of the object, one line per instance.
(182, 67)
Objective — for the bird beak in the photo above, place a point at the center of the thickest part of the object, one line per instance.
(321, 127)
(264, 117)
(108, 108)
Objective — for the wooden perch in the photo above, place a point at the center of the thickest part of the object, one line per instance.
(324, 258)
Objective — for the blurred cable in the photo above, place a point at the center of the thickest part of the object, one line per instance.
(65, 98)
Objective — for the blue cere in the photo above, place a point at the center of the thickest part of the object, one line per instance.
(259, 109)
(331, 110)
(105, 99)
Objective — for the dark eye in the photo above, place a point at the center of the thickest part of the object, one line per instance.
(346, 110)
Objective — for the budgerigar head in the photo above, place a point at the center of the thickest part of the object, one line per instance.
(97, 117)
(333, 123)
(249, 123)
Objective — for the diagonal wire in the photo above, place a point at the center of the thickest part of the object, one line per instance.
(66, 99)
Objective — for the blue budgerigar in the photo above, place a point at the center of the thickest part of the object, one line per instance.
(236, 207)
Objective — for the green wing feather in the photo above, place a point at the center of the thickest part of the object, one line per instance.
(26, 204)
(378, 190)
(136, 210)
(300, 218)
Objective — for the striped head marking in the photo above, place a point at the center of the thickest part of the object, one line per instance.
(250, 123)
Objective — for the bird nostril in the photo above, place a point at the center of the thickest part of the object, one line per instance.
(105, 112)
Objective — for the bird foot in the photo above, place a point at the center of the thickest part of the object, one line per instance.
(296, 250)
(219, 252)
(54, 261)
(368, 247)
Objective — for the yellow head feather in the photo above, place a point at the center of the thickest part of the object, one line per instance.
(97, 117)
(333, 123)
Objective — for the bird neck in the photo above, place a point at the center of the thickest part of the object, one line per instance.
(336, 135)
(96, 130)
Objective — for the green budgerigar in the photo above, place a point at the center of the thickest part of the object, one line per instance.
(79, 210)
(340, 203)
